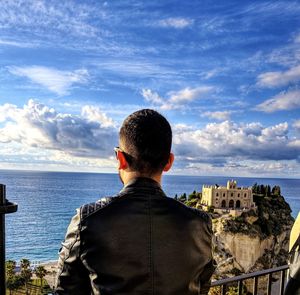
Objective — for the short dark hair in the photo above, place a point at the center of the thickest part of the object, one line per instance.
(147, 139)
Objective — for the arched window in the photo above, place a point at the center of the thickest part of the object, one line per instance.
(231, 204)
(238, 195)
(238, 204)
(217, 194)
(223, 205)
(232, 194)
(245, 195)
(224, 195)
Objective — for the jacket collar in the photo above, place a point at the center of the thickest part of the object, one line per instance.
(140, 184)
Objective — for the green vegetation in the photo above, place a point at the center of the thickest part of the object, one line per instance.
(271, 217)
(265, 190)
(192, 200)
(41, 272)
(21, 282)
(26, 273)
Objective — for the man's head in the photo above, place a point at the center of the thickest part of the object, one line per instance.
(145, 143)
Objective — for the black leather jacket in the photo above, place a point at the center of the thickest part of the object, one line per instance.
(140, 242)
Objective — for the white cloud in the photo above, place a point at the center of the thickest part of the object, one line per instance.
(245, 168)
(54, 80)
(152, 97)
(220, 142)
(38, 135)
(17, 44)
(7, 111)
(279, 130)
(39, 126)
(176, 22)
(218, 115)
(277, 79)
(296, 125)
(284, 101)
(38, 16)
(212, 73)
(295, 143)
(94, 114)
(297, 38)
(180, 127)
(176, 99)
(133, 67)
(188, 94)
(17, 156)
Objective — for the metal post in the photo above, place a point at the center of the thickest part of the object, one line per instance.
(282, 275)
(255, 286)
(5, 208)
(2, 242)
(269, 284)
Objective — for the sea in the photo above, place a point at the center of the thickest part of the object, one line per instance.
(48, 200)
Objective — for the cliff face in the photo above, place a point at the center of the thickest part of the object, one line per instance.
(244, 253)
(255, 240)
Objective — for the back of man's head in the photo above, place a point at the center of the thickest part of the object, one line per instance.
(146, 138)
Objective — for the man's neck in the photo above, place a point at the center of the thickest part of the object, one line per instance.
(129, 176)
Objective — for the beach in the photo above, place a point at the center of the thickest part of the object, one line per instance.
(51, 268)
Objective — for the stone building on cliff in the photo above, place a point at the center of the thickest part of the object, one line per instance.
(227, 199)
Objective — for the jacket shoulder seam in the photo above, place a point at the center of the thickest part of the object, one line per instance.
(88, 209)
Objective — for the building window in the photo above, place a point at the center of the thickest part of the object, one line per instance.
(217, 194)
(238, 195)
(232, 194)
(238, 204)
(223, 205)
(245, 195)
(231, 204)
(224, 195)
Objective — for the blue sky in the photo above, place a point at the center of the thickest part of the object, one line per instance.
(225, 73)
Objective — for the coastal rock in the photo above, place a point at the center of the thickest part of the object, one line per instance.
(255, 240)
(245, 250)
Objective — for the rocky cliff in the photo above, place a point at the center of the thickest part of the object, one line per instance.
(257, 239)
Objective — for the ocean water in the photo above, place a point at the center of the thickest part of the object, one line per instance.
(48, 200)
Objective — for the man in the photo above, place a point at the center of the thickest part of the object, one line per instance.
(140, 241)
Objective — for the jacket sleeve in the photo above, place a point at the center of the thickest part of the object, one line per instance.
(72, 276)
(208, 270)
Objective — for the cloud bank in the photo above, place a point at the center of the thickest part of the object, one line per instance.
(38, 134)
(277, 79)
(283, 101)
(35, 125)
(226, 141)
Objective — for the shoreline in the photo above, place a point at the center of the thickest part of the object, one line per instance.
(51, 268)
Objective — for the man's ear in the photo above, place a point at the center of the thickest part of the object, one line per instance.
(122, 161)
(170, 162)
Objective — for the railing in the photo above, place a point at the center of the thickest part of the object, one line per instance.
(225, 283)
